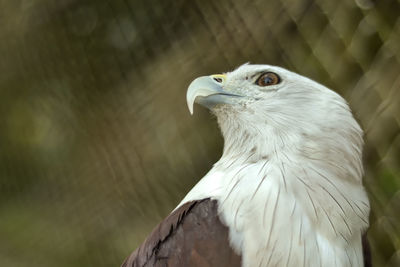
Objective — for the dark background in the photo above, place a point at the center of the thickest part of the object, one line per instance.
(97, 144)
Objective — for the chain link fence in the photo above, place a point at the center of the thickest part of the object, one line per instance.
(97, 145)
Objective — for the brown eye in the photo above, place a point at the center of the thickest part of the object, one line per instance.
(268, 78)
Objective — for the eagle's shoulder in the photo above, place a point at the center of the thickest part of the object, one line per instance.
(192, 235)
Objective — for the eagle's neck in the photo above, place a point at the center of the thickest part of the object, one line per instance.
(254, 142)
(287, 203)
(288, 198)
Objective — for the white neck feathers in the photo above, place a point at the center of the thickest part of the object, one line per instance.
(287, 199)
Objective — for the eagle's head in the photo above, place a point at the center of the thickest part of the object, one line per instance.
(263, 108)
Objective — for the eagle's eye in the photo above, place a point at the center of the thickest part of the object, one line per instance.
(268, 78)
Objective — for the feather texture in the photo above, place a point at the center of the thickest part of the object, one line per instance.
(289, 182)
(190, 236)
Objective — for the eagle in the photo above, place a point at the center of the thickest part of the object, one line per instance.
(287, 190)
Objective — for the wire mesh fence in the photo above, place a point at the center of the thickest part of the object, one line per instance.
(96, 141)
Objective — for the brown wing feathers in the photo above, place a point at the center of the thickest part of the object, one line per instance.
(366, 251)
(192, 235)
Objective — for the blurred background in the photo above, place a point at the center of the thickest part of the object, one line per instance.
(97, 144)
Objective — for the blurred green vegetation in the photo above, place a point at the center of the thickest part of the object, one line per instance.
(97, 145)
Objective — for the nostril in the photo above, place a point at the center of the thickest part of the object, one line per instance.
(218, 80)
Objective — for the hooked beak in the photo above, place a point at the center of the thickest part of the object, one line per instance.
(208, 91)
